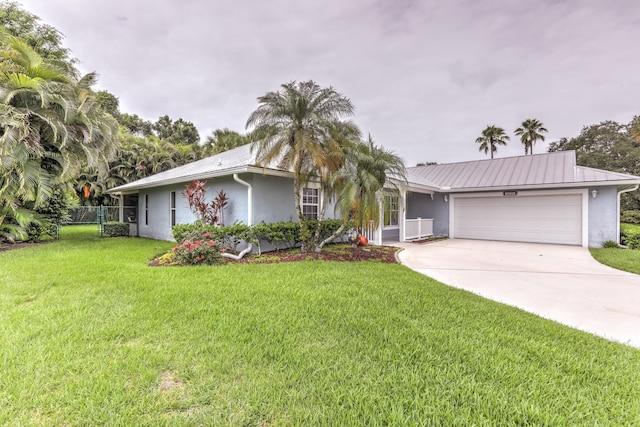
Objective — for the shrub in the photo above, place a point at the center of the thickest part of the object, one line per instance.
(633, 241)
(116, 229)
(630, 236)
(282, 235)
(198, 248)
(630, 217)
(41, 230)
(610, 244)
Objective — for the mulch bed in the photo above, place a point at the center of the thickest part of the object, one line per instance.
(384, 254)
(339, 253)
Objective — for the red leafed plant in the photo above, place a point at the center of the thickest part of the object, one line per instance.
(207, 213)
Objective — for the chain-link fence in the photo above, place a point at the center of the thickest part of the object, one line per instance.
(99, 215)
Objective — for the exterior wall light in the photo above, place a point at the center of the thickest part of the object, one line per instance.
(594, 193)
(446, 198)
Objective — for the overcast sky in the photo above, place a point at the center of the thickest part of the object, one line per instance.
(426, 77)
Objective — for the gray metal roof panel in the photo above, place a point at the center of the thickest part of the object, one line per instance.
(551, 169)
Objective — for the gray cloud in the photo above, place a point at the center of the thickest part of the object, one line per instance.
(425, 77)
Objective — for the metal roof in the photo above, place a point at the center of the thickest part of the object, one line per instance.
(557, 169)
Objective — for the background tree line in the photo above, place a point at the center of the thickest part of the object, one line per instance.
(59, 137)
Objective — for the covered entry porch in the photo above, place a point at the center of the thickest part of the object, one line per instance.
(406, 214)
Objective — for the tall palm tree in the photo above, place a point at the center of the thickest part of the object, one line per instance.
(491, 137)
(301, 128)
(529, 132)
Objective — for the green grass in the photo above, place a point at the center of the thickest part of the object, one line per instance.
(630, 228)
(622, 259)
(89, 335)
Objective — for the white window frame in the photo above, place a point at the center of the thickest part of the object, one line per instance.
(387, 213)
(146, 209)
(172, 208)
(317, 202)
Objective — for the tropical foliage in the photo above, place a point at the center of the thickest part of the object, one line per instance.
(608, 145)
(491, 137)
(529, 132)
(225, 139)
(358, 185)
(303, 128)
(303, 125)
(51, 128)
(208, 213)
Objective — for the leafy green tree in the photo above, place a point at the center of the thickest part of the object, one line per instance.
(222, 140)
(163, 127)
(607, 145)
(529, 132)
(491, 137)
(302, 125)
(43, 38)
(108, 102)
(176, 132)
(135, 124)
(634, 129)
(184, 132)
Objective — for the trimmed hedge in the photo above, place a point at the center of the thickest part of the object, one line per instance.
(116, 229)
(282, 235)
(630, 217)
(630, 235)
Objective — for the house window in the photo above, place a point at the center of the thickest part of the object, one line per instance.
(172, 207)
(146, 209)
(391, 210)
(310, 202)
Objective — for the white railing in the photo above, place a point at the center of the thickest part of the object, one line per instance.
(418, 228)
(369, 232)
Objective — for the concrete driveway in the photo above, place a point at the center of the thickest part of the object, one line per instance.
(562, 283)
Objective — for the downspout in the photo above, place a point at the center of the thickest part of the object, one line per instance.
(240, 255)
(634, 188)
(237, 179)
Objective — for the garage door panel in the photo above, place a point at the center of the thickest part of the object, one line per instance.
(538, 219)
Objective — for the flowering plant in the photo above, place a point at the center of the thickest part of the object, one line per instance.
(197, 249)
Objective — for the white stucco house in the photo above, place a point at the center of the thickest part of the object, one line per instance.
(543, 198)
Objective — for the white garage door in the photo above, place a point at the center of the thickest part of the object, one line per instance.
(536, 219)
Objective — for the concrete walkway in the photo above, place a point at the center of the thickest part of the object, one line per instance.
(561, 283)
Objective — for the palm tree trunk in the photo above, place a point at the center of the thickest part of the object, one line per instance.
(331, 238)
(305, 234)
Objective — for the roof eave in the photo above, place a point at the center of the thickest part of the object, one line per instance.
(545, 186)
(132, 189)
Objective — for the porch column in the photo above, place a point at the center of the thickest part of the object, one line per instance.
(120, 207)
(378, 232)
(402, 214)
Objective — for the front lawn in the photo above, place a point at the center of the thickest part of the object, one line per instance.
(89, 335)
(622, 259)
